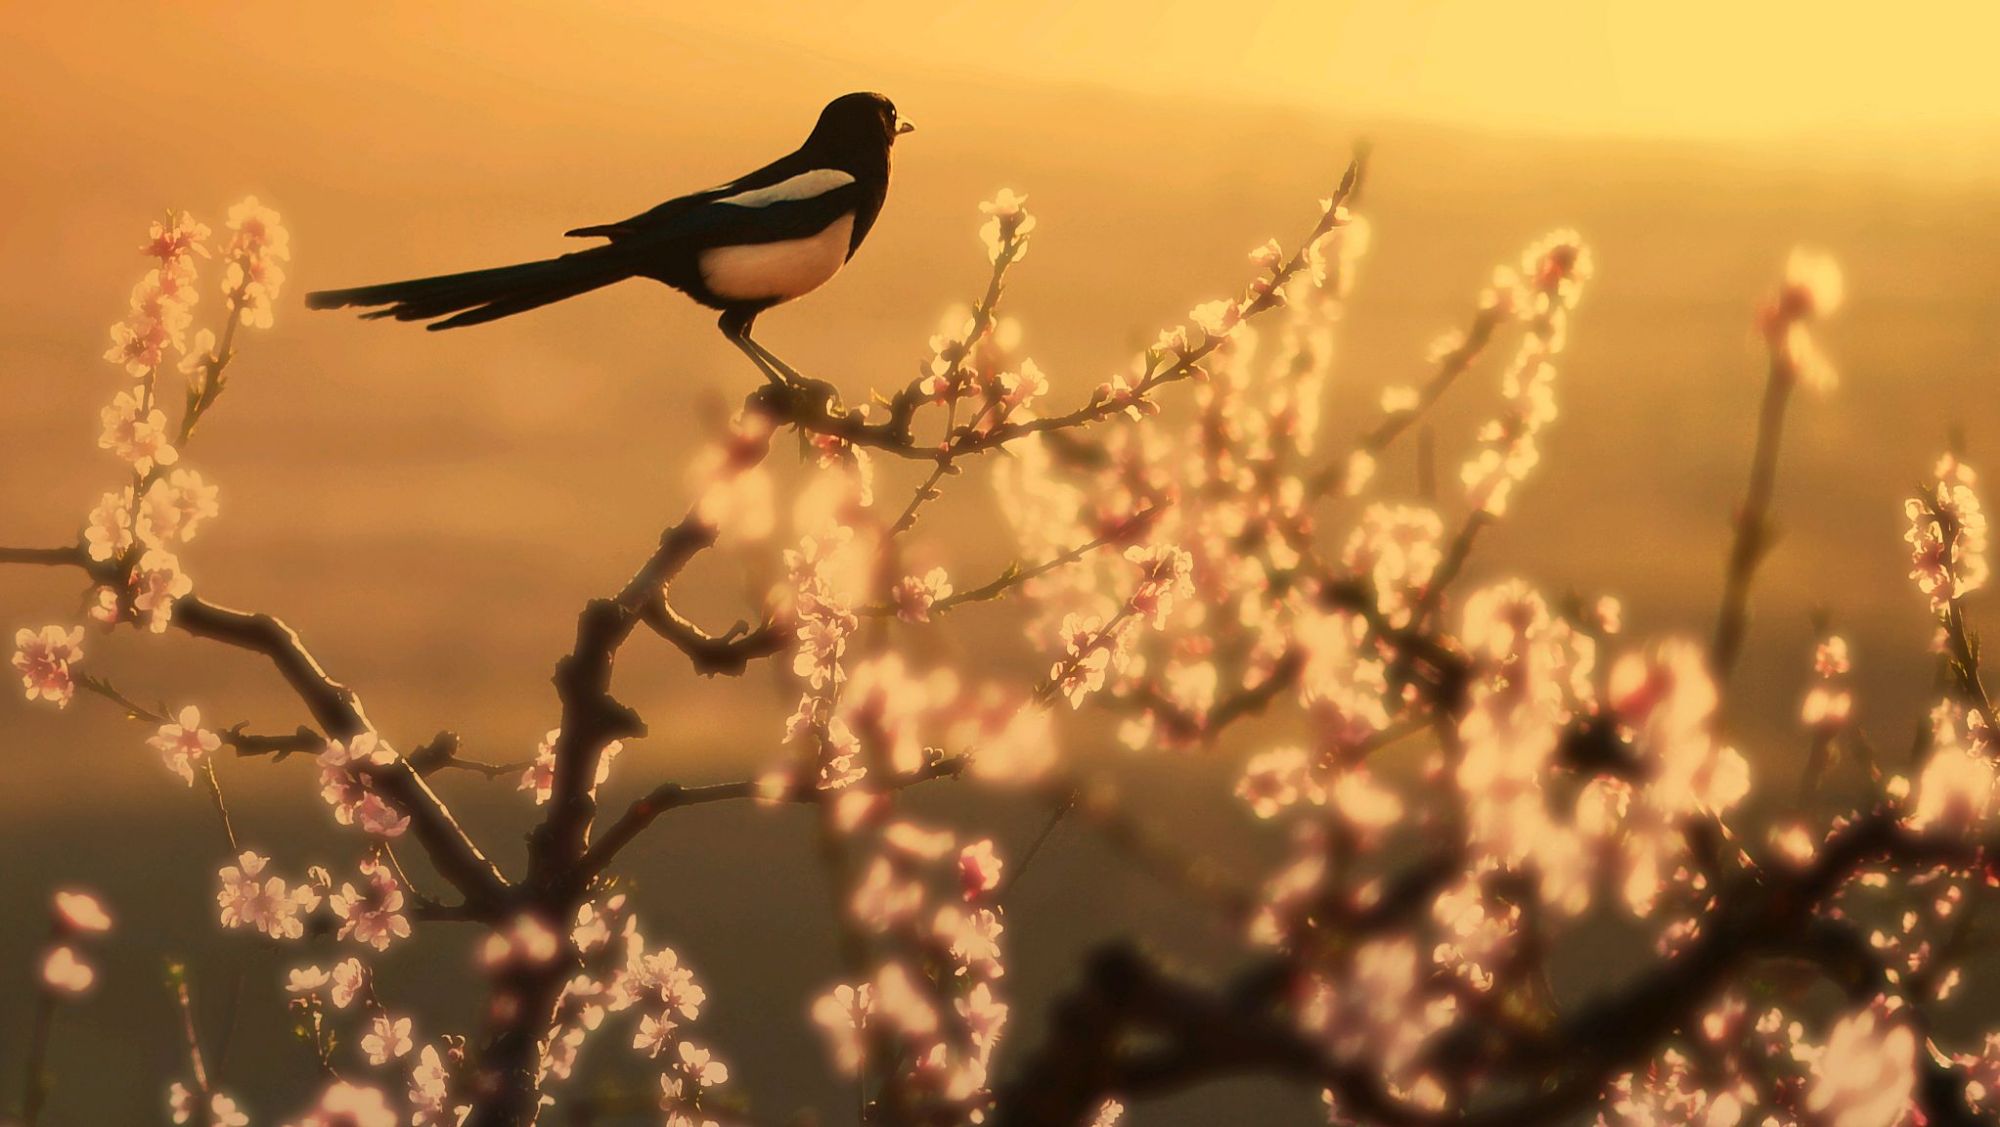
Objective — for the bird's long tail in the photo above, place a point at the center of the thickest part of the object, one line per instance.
(478, 296)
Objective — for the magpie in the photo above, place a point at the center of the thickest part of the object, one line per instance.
(761, 239)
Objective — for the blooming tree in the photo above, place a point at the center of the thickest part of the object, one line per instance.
(1195, 553)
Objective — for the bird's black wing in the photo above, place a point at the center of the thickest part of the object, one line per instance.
(665, 215)
(717, 223)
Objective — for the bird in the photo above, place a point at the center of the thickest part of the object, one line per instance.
(765, 238)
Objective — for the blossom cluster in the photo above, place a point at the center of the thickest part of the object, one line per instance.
(1552, 278)
(1947, 535)
(137, 532)
(1463, 782)
(931, 1015)
(617, 974)
(76, 916)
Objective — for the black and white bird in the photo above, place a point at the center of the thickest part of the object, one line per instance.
(761, 239)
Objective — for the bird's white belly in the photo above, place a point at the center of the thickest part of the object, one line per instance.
(777, 271)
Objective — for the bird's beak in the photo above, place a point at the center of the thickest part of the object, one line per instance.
(903, 127)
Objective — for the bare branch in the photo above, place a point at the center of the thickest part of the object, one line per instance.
(1127, 530)
(336, 709)
(728, 654)
(672, 796)
(1753, 524)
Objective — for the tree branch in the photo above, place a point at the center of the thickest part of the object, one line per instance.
(729, 654)
(336, 709)
(672, 796)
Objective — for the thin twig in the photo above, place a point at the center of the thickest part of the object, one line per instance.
(673, 796)
(1753, 532)
(1015, 575)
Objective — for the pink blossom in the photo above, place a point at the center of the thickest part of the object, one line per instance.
(253, 277)
(915, 595)
(1165, 576)
(1015, 742)
(346, 1104)
(365, 749)
(1397, 548)
(178, 238)
(157, 584)
(223, 1112)
(973, 938)
(1014, 390)
(1274, 780)
(306, 980)
(156, 321)
(374, 915)
(109, 533)
(175, 507)
(898, 1001)
(822, 641)
(842, 1016)
(1217, 318)
(701, 1065)
(350, 979)
(248, 899)
(1087, 658)
(540, 775)
(137, 433)
(525, 941)
(1813, 284)
(978, 869)
(1826, 709)
(883, 898)
(1959, 786)
(64, 971)
(104, 609)
(1399, 400)
(430, 1090)
(654, 1034)
(1268, 255)
(346, 785)
(1366, 808)
(917, 843)
(388, 1038)
(734, 491)
(1947, 536)
(1812, 291)
(184, 744)
(222, 1109)
(984, 1015)
(1866, 1073)
(79, 912)
(44, 657)
(1008, 225)
(671, 984)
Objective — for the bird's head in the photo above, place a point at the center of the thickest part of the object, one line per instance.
(861, 120)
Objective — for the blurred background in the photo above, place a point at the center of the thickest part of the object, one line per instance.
(429, 511)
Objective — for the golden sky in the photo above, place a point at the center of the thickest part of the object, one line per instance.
(1839, 71)
(1696, 68)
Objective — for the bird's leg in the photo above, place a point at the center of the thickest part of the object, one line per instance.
(736, 326)
(828, 395)
(773, 360)
(823, 397)
(750, 349)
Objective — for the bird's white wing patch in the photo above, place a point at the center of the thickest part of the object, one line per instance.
(804, 186)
